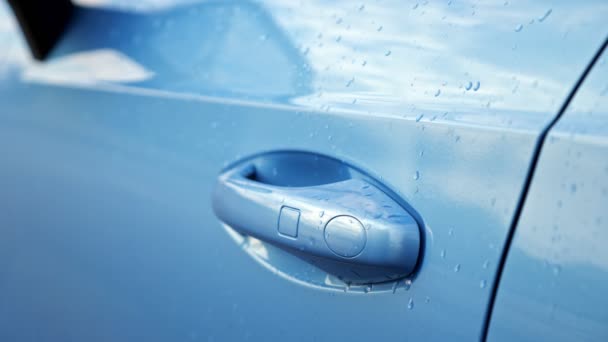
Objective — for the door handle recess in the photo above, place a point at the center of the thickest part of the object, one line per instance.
(323, 211)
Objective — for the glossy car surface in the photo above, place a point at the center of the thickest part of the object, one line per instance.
(111, 148)
(556, 272)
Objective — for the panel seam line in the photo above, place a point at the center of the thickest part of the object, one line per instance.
(527, 183)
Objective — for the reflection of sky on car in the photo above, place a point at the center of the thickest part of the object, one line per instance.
(484, 64)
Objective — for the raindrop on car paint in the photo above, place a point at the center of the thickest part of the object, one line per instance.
(362, 8)
(407, 283)
(350, 82)
(556, 269)
(415, 6)
(410, 304)
(519, 28)
(387, 53)
(438, 92)
(419, 117)
(451, 231)
(427, 299)
(442, 254)
(544, 16)
(416, 175)
(364, 63)
(482, 284)
(486, 264)
(321, 213)
(338, 39)
(379, 28)
(468, 86)
(395, 286)
(457, 268)
(476, 87)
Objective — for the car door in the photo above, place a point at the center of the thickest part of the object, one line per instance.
(111, 149)
(554, 281)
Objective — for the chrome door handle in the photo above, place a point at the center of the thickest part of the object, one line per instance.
(348, 227)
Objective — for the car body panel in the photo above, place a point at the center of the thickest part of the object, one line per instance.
(554, 282)
(111, 148)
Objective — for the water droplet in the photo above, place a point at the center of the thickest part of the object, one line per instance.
(457, 268)
(419, 117)
(468, 86)
(362, 8)
(354, 101)
(387, 53)
(477, 85)
(451, 231)
(486, 264)
(379, 28)
(438, 92)
(421, 153)
(368, 288)
(416, 175)
(395, 286)
(442, 254)
(482, 284)
(338, 39)
(572, 188)
(214, 124)
(407, 284)
(410, 304)
(415, 6)
(544, 16)
(519, 28)
(339, 21)
(350, 82)
(556, 269)
(427, 299)
(321, 213)
(376, 215)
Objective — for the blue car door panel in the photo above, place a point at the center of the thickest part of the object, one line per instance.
(554, 282)
(112, 147)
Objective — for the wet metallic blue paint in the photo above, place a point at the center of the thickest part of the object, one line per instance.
(111, 148)
(554, 282)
